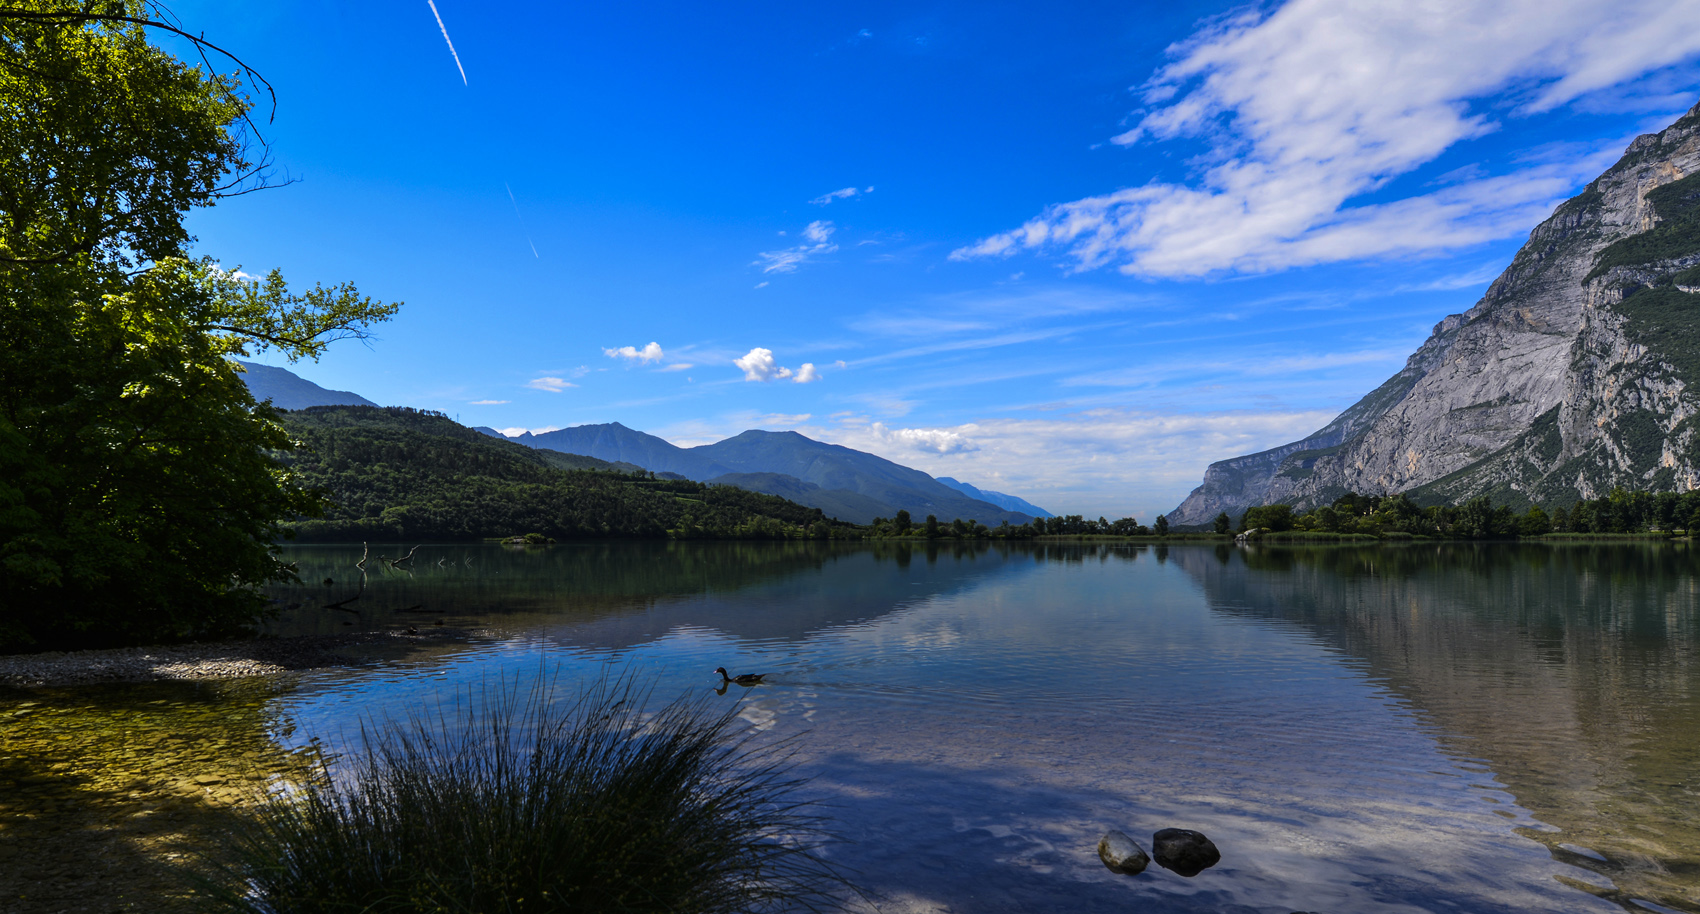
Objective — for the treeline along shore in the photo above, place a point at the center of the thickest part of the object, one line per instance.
(406, 474)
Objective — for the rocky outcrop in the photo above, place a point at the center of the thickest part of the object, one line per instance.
(1575, 372)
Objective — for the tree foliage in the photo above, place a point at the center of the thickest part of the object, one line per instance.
(1620, 512)
(1070, 525)
(139, 494)
(396, 473)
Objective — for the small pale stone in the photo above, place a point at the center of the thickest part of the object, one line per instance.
(1122, 854)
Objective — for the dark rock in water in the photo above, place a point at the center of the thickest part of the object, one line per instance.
(1122, 854)
(1184, 851)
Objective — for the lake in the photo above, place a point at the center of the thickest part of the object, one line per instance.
(1391, 729)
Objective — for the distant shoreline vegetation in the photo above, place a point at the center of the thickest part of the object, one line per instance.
(1619, 515)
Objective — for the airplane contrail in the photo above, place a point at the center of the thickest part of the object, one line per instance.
(445, 29)
(521, 220)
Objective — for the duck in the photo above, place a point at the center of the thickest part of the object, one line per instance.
(743, 679)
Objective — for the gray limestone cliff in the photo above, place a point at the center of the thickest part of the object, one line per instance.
(1575, 373)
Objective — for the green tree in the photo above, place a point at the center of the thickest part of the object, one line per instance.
(1582, 518)
(932, 526)
(1475, 518)
(139, 492)
(1534, 523)
(1274, 517)
(1224, 523)
(901, 523)
(1160, 526)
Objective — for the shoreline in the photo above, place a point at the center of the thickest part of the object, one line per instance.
(240, 659)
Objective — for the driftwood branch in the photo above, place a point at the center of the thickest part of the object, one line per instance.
(406, 558)
(341, 605)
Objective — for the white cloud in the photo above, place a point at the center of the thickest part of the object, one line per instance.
(783, 419)
(519, 430)
(843, 193)
(819, 232)
(936, 440)
(1320, 101)
(1480, 276)
(489, 402)
(759, 365)
(553, 385)
(649, 353)
(1116, 463)
(677, 366)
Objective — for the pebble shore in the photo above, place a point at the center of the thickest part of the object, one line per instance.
(221, 660)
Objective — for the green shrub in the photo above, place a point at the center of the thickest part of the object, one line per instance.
(526, 806)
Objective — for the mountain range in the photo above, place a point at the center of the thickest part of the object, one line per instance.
(847, 484)
(288, 390)
(1007, 502)
(1574, 374)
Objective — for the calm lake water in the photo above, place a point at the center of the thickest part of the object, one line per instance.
(1421, 728)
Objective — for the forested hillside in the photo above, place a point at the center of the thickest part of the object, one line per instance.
(408, 474)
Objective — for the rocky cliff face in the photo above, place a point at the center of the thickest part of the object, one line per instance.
(1574, 374)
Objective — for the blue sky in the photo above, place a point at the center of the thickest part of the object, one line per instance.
(1073, 255)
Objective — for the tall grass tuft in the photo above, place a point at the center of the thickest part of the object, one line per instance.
(513, 805)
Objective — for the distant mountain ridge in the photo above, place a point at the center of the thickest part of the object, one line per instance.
(1008, 502)
(828, 476)
(613, 441)
(405, 474)
(288, 390)
(840, 503)
(847, 484)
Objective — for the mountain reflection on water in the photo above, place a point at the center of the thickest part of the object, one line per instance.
(1571, 672)
(775, 590)
(1419, 728)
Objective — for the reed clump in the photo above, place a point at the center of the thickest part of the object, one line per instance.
(512, 805)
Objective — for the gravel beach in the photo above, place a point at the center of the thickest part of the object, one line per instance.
(220, 660)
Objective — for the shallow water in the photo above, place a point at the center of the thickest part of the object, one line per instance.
(1452, 728)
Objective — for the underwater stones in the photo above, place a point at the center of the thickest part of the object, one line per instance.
(1122, 854)
(1184, 851)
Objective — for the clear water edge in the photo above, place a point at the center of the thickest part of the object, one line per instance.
(1359, 730)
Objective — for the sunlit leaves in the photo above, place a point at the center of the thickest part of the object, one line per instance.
(139, 494)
